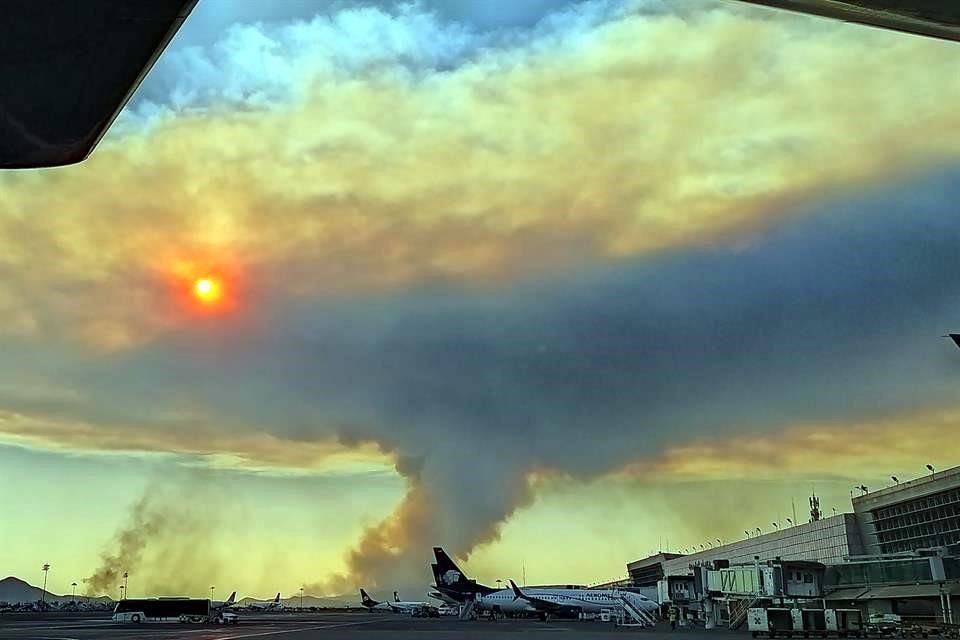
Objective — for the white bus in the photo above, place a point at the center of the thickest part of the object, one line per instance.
(164, 610)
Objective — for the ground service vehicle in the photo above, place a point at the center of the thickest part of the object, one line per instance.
(170, 610)
(425, 612)
(800, 622)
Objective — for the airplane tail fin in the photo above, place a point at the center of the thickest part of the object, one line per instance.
(366, 599)
(277, 599)
(517, 594)
(451, 580)
(445, 563)
(232, 598)
(396, 597)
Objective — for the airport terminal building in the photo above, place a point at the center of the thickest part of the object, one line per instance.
(829, 541)
(897, 552)
(912, 515)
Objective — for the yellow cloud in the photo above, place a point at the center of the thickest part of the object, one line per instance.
(220, 448)
(647, 133)
(859, 449)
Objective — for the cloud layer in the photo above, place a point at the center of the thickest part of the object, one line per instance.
(593, 140)
(623, 228)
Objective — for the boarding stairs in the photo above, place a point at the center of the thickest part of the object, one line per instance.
(738, 612)
(638, 617)
(467, 609)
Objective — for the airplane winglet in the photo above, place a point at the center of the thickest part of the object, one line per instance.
(955, 337)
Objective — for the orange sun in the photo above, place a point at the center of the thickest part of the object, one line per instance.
(207, 290)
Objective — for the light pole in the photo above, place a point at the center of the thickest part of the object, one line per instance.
(74, 585)
(122, 596)
(126, 589)
(211, 592)
(46, 569)
(301, 598)
(932, 470)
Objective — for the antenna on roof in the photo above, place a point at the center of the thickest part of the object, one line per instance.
(814, 507)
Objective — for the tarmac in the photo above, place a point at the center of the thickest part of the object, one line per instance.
(327, 626)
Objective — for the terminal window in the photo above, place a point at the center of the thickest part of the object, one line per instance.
(930, 521)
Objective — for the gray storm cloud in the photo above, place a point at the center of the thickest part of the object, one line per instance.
(820, 318)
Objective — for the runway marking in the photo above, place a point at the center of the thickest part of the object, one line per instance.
(297, 630)
(50, 627)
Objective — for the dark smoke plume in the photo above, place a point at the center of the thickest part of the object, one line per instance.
(126, 552)
(167, 546)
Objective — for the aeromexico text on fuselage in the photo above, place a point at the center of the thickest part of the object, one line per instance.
(397, 606)
(451, 583)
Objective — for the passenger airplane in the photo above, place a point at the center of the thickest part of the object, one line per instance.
(397, 606)
(266, 605)
(567, 602)
(544, 601)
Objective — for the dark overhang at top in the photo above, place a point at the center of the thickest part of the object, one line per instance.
(67, 67)
(931, 18)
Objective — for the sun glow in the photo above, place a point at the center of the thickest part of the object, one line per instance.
(207, 290)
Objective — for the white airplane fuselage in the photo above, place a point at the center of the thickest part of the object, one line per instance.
(399, 607)
(586, 600)
(266, 605)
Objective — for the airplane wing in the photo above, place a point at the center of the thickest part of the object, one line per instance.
(67, 68)
(542, 605)
(930, 18)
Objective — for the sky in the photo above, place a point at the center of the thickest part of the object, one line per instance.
(550, 284)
